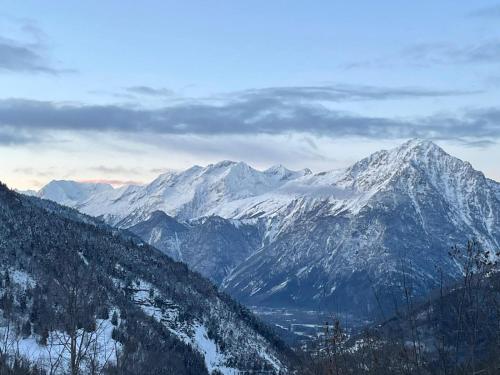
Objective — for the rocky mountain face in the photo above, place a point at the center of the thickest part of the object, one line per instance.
(76, 293)
(345, 239)
(212, 245)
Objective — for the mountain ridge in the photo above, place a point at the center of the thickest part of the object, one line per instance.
(237, 197)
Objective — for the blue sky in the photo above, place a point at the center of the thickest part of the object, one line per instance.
(120, 90)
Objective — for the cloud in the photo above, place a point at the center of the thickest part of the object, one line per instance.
(27, 56)
(13, 137)
(118, 95)
(436, 53)
(52, 172)
(114, 182)
(270, 111)
(449, 53)
(260, 149)
(114, 169)
(16, 57)
(333, 93)
(35, 171)
(252, 116)
(121, 170)
(157, 171)
(341, 93)
(149, 91)
(478, 144)
(492, 11)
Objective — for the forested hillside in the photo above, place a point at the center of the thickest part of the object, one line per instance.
(79, 297)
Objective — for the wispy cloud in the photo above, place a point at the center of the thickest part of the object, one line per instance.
(122, 170)
(435, 53)
(10, 136)
(35, 171)
(478, 144)
(114, 94)
(149, 91)
(492, 11)
(18, 57)
(449, 53)
(28, 54)
(114, 182)
(344, 93)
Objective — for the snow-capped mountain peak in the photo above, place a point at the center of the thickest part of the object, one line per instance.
(283, 173)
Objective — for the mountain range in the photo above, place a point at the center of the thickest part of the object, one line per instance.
(343, 240)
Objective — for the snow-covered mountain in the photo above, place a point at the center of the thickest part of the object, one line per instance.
(194, 193)
(325, 239)
(70, 193)
(387, 220)
(124, 307)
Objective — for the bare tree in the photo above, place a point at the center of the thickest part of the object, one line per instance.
(77, 291)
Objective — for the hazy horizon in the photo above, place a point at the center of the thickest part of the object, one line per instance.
(120, 183)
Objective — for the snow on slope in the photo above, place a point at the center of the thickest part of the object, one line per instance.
(197, 335)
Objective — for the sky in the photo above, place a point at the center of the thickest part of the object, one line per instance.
(121, 91)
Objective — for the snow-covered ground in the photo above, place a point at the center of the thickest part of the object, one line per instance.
(54, 355)
(195, 333)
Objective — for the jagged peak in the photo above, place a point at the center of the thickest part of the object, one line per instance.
(160, 218)
(419, 144)
(159, 214)
(385, 165)
(230, 168)
(168, 171)
(416, 149)
(277, 168)
(282, 171)
(223, 164)
(306, 171)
